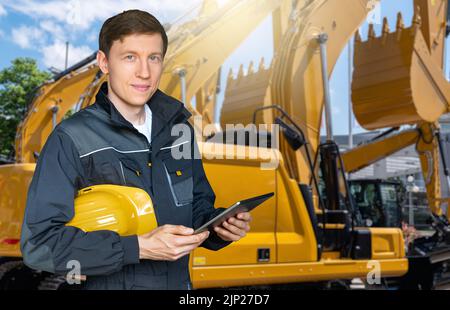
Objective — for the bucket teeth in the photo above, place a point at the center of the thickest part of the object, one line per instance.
(371, 34)
(261, 64)
(400, 23)
(385, 32)
(250, 71)
(357, 37)
(386, 29)
(250, 68)
(400, 26)
(241, 71)
(230, 74)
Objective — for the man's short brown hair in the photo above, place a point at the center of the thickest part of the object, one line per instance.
(127, 23)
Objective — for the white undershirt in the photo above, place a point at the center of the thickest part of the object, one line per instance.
(146, 128)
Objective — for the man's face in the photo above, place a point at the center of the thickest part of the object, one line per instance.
(135, 66)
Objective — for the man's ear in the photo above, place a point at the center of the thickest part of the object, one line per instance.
(102, 62)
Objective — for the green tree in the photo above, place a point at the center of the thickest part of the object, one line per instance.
(18, 84)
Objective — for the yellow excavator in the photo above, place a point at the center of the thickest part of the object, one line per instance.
(398, 81)
(304, 235)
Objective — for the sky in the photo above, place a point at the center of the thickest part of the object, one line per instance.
(40, 29)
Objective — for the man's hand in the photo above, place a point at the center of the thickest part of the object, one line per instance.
(169, 242)
(235, 227)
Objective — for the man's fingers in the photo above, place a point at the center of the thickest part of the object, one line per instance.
(226, 234)
(181, 251)
(233, 229)
(178, 230)
(192, 239)
(177, 257)
(186, 249)
(240, 224)
(245, 216)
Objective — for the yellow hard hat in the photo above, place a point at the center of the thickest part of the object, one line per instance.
(123, 209)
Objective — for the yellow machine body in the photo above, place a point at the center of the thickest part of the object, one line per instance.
(281, 225)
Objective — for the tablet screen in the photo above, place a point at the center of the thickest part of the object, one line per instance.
(239, 207)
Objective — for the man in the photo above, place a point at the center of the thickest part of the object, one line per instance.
(124, 138)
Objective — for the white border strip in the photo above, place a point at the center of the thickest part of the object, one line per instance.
(110, 147)
(171, 147)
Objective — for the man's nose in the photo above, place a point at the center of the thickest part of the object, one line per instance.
(143, 70)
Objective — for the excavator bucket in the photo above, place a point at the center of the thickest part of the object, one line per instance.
(244, 94)
(123, 209)
(396, 80)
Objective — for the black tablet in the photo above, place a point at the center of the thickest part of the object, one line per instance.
(239, 207)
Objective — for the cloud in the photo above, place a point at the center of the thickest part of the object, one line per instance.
(77, 21)
(82, 14)
(92, 36)
(54, 55)
(26, 37)
(55, 30)
(2, 11)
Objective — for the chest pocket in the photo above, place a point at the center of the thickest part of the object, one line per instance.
(100, 171)
(131, 174)
(179, 176)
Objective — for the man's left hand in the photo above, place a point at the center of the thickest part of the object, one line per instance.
(235, 227)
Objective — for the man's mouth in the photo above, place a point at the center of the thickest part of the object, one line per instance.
(141, 87)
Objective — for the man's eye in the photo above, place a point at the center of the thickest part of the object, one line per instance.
(129, 57)
(155, 58)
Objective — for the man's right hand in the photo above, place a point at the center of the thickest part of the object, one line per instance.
(169, 242)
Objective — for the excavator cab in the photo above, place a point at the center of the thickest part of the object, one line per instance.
(378, 202)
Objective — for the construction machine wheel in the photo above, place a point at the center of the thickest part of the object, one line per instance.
(53, 282)
(14, 275)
